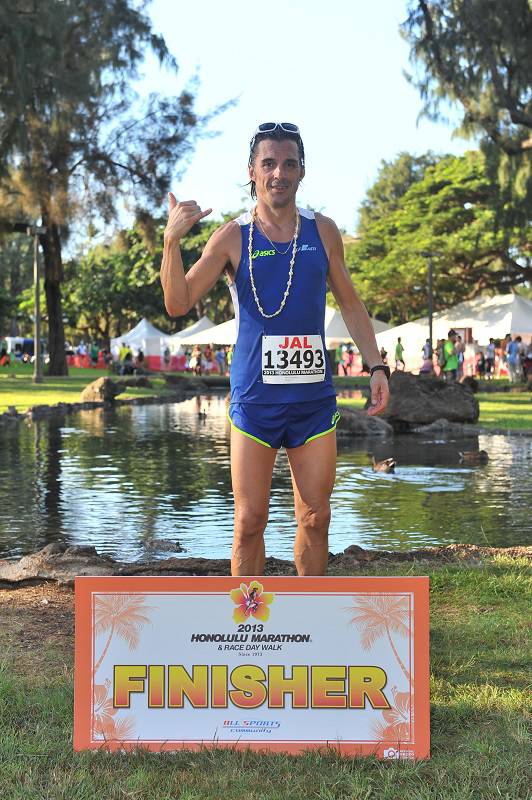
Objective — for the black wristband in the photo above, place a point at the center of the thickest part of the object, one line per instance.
(378, 367)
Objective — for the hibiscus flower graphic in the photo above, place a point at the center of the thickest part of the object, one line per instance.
(251, 601)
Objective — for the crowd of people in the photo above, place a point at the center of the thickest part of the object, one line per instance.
(209, 360)
(510, 357)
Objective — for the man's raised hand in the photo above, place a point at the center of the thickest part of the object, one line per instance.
(181, 217)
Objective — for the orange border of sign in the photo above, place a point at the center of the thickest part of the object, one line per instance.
(86, 586)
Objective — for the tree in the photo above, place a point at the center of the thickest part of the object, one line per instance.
(16, 277)
(478, 53)
(111, 286)
(453, 210)
(73, 138)
(393, 180)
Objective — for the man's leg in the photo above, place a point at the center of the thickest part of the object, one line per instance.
(313, 468)
(251, 472)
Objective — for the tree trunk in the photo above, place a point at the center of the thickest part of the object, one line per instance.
(53, 275)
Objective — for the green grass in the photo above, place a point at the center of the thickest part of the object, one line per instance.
(505, 410)
(479, 694)
(18, 390)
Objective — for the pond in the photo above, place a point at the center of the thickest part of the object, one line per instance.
(124, 479)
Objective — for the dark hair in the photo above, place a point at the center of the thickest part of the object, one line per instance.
(278, 135)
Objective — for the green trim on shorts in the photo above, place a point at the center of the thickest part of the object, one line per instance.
(336, 417)
(249, 435)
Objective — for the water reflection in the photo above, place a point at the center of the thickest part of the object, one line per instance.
(124, 479)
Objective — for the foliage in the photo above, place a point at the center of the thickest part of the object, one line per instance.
(453, 211)
(112, 286)
(477, 53)
(16, 274)
(73, 139)
(393, 181)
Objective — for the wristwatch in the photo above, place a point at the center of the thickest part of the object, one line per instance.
(382, 367)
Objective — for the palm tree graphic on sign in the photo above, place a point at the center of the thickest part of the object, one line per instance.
(382, 615)
(122, 614)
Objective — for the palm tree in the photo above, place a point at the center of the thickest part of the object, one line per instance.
(379, 616)
(121, 614)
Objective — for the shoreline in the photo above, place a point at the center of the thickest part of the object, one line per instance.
(59, 564)
(216, 385)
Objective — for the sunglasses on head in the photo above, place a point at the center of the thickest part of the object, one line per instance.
(269, 127)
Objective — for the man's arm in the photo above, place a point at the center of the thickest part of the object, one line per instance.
(182, 292)
(353, 311)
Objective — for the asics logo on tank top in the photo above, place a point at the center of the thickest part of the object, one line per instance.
(264, 253)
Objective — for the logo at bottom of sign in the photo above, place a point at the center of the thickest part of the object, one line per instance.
(395, 752)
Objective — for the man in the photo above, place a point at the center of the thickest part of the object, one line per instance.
(459, 347)
(278, 260)
(490, 358)
(513, 359)
(399, 351)
(450, 368)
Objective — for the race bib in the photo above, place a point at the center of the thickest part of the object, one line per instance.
(293, 359)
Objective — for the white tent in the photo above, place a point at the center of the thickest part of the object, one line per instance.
(485, 316)
(219, 334)
(145, 337)
(335, 331)
(175, 340)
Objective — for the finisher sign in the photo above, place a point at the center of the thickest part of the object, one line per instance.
(274, 663)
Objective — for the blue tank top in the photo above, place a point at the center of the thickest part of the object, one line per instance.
(301, 321)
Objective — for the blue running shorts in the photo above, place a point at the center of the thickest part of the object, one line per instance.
(284, 424)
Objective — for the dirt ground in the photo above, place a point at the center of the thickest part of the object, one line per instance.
(37, 626)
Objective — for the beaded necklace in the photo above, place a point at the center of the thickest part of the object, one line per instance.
(290, 271)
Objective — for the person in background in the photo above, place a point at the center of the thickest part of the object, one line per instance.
(481, 365)
(139, 361)
(490, 359)
(399, 352)
(5, 358)
(94, 352)
(450, 368)
(221, 360)
(127, 364)
(384, 355)
(513, 359)
(208, 364)
(460, 349)
(229, 358)
(107, 358)
(527, 364)
(427, 350)
(195, 363)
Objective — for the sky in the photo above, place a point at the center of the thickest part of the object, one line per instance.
(334, 68)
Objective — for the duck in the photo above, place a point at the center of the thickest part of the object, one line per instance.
(386, 465)
(202, 414)
(473, 457)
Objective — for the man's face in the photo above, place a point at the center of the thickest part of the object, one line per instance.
(276, 172)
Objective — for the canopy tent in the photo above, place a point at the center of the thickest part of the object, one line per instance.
(335, 331)
(225, 333)
(485, 316)
(175, 340)
(145, 337)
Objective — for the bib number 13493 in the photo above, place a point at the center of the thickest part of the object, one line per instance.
(293, 359)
